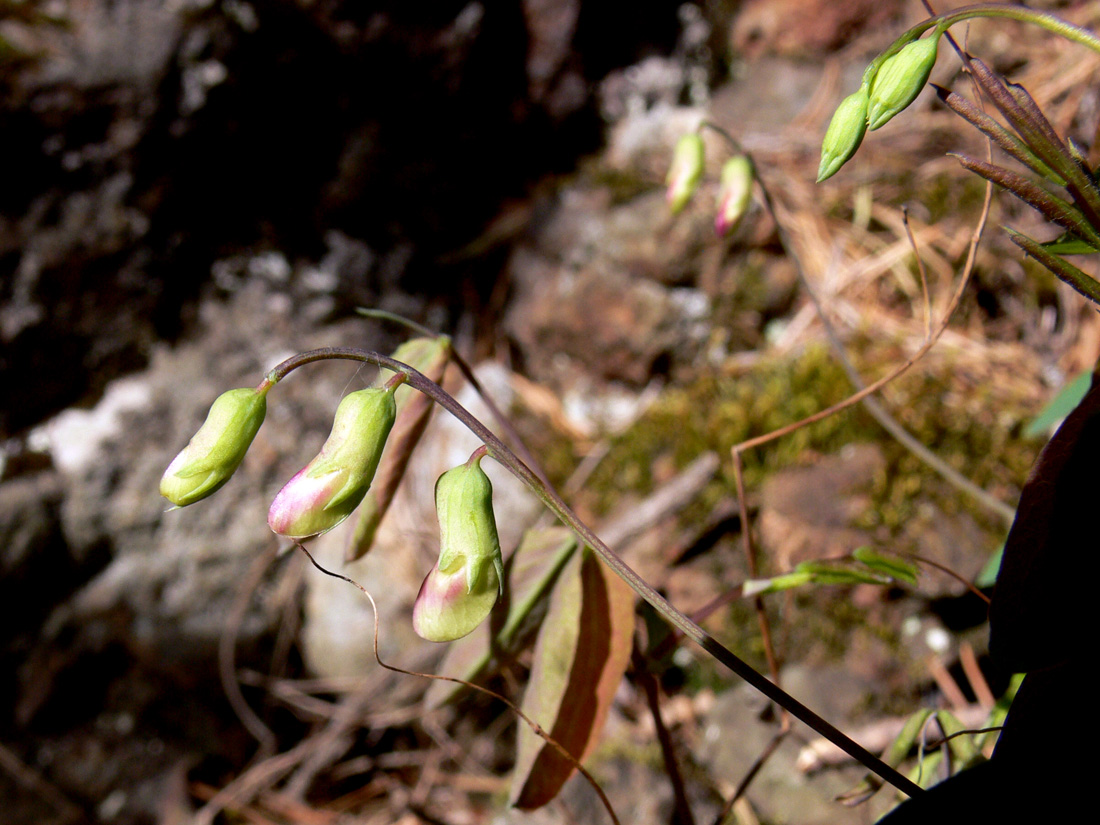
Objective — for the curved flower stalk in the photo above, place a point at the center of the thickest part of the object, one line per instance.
(217, 449)
(328, 489)
(896, 77)
(460, 591)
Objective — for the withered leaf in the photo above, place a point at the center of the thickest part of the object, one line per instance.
(581, 654)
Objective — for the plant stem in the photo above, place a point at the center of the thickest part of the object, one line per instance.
(499, 451)
(1052, 23)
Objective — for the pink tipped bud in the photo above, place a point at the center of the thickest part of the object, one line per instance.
(429, 356)
(462, 588)
(734, 194)
(217, 449)
(330, 487)
(685, 172)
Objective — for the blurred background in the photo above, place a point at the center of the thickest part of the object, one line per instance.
(193, 190)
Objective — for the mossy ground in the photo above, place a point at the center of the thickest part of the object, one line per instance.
(972, 421)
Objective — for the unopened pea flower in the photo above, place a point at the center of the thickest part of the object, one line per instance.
(462, 588)
(685, 171)
(217, 449)
(844, 134)
(430, 357)
(900, 79)
(734, 194)
(330, 487)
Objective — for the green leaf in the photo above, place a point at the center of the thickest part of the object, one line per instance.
(776, 584)
(1059, 407)
(892, 566)
(1081, 281)
(1070, 244)
(988, 576)
(838, 572)
(964, 753)
(898, 750)
(581, 655)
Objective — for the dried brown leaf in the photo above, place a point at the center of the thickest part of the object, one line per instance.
(580, 657)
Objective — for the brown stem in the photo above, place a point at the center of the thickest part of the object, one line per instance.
(682, 810)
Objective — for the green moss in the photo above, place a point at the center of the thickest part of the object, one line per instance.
(975, 428)
(968, 420)
(713, 412)
(949, 196)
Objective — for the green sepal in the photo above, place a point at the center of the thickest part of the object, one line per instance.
(467, 526)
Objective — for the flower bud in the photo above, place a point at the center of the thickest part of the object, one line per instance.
(330, 487)
(734, 194)
(430, 357)
(685, 172)
(844, 134)
(900, 79)
(465, 583)
(217, 449)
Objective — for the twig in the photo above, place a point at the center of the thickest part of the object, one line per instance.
(332, 742)
(245, 787)
(33, 781)
(669, 499)
(975, 676)
(681, 808)
(943, 568)
(227, 644)
(946, 683)
(758, 600)
(761, 760)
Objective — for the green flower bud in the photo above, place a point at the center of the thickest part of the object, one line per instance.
(217, 449)
(734, 194)
(685, 172)
(330, 487)
(844, 134)
(462, 588)
(900, 79)
(429, 356)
